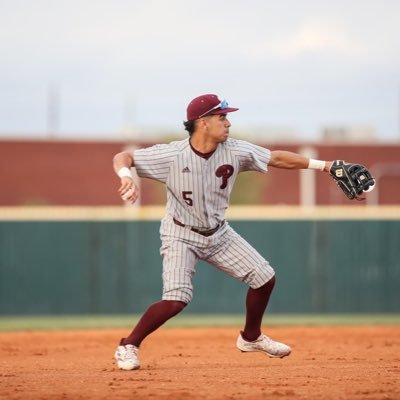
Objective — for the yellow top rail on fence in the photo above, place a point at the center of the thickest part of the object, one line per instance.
(154, 213)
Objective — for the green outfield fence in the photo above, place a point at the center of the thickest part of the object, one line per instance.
(106, 261)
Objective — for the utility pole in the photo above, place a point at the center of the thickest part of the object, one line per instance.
(53, 111)
(129, 115)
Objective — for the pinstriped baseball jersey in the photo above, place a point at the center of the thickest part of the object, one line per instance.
(198, 189)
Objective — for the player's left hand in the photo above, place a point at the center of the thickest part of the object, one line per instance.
(353, 179)
(128, 190)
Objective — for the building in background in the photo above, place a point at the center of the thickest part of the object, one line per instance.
(72, 173)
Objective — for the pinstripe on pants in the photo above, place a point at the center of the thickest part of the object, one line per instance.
(226, 250)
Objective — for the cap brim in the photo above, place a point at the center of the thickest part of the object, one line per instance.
(219, 111)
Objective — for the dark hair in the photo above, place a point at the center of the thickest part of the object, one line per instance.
(189, 126)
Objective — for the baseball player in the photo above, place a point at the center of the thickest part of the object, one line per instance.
(199, 173)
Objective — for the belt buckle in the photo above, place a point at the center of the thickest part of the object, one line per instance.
(203, 233)
(209, 232)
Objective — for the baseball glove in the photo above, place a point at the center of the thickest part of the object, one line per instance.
(353, 179)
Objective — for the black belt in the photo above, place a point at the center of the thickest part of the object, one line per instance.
(200, 232)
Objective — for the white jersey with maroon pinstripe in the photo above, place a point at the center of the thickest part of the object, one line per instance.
(198, 190)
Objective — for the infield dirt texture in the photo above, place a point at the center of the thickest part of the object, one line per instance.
(341, 362)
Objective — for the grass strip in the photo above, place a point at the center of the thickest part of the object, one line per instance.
(65, 322)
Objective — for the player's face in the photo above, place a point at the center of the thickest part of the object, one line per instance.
(218, 127)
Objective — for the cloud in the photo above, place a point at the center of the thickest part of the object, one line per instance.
(275, 54)
(314, 38)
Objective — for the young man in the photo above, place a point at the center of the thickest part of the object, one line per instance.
(199, 173)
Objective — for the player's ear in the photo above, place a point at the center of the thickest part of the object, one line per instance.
(203, 122)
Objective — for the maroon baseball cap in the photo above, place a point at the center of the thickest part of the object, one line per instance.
(207, 104)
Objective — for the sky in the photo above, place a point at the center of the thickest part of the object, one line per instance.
(106, 68)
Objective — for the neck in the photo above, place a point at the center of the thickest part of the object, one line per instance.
(203, 144)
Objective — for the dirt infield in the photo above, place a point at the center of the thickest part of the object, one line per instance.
(326, 363)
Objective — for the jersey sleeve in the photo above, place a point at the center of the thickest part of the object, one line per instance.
(154, 162)
(252, 157)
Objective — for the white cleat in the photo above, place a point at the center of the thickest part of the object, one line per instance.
(127, 357)
(265, 345)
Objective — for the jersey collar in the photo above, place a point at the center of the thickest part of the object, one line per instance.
(202, 155)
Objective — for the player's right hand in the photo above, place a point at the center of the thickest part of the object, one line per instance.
(128, 190)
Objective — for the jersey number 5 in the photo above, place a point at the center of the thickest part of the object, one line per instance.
(187, 198)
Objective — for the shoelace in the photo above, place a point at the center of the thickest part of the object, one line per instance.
(130, 351)
(269, 341)
(264, 337)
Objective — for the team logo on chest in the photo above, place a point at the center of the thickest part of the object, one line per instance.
(225, 172)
